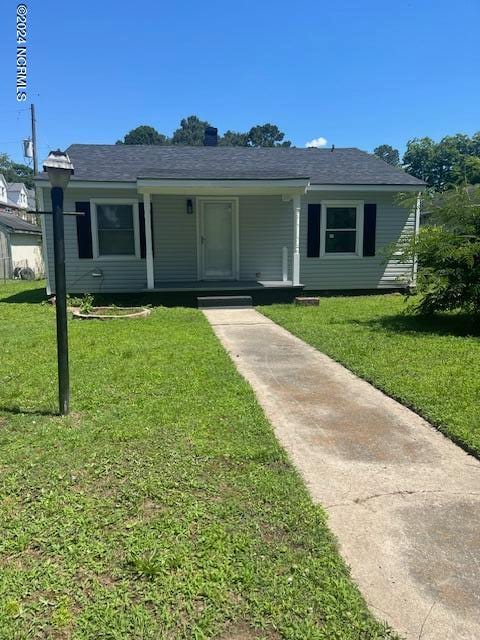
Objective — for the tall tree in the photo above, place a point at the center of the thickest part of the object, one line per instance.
(470, 170)
(234, 139)
(388, 153)
(144, 134)
(16, 172)
(262, 135)
(191, 131)
(452, 161)
(267, 135)
(420, 158)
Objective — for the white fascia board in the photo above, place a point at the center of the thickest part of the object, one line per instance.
(366, 187)
(212, 187)
(89, 184)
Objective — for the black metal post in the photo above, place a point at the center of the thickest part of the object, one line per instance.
(61, 300)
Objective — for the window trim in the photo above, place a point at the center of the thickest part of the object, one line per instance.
(358, 205)
(136, 228)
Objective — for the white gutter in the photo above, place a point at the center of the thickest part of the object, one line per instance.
(417, 229)
(366, 187)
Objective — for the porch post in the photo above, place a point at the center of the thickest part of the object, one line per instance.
(296, 240)
(148, 240)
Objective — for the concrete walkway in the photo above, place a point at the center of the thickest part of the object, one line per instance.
(403, 501)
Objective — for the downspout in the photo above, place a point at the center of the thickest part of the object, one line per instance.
(417, 229)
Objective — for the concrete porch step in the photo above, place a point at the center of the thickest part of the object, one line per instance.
(227, 302)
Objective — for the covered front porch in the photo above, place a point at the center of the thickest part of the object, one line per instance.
(222, 235)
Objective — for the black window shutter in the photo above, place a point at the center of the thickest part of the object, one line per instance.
(141, 221)
(84, 230)
(313, 231)
(369, 229)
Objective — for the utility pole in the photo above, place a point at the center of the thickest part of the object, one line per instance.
(35, 157)
(34, 139)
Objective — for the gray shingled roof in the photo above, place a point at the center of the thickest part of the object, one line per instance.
(102, 162)
(17, 225)
(15, 187)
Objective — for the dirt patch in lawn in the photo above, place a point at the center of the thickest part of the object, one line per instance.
(243, 631)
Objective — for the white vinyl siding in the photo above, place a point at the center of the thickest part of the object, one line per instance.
(265, 227)
(373, 272)
(118, 274)
(175, 239)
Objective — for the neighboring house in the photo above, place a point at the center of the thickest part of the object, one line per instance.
(20, 246)
(3, 191)
(217, 218)
(18, 195)
(17, 199)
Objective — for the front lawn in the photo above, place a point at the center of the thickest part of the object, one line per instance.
(163, 507)
(429, 364)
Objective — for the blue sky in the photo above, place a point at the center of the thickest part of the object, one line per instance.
(358, 73)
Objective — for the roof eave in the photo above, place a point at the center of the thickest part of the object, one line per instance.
(370, 186)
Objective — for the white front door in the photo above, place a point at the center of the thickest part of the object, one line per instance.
(218, 239)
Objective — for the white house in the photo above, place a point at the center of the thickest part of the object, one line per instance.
(17, 195)
(217, 219)
(3, 191)
(16, 198)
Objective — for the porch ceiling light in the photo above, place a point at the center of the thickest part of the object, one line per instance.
(59, 168)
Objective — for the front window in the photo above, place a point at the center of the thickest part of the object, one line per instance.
(342, 224)
(116, 229)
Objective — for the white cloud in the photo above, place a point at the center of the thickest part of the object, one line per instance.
(317, 142)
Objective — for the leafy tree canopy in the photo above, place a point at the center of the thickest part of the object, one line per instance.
(267, 135)
(15, 172)
(448, 251)
(452, 161)
(144, 134)
(234, 139)
(388, 153)
(192, 131)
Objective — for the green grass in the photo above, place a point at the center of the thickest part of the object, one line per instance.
(162, 507)
(431, 364)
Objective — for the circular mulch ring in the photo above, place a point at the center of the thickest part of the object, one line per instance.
(112, 313)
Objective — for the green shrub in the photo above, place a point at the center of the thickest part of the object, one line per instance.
(448, 252)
